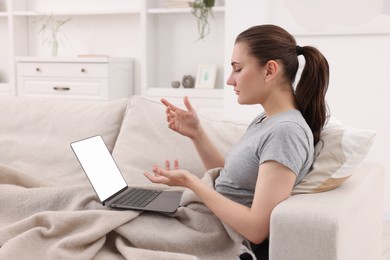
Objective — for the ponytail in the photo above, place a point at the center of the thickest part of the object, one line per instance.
(271, 42)
(311, 89)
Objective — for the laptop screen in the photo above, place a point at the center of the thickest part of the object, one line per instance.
(100, 167)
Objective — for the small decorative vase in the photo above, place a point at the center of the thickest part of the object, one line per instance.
(188, 81)
(175, 84)
(54, 47)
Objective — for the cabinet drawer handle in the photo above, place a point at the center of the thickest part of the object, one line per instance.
(61, 88)
(37, 69)
(83, 70)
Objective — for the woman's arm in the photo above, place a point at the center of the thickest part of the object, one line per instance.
(186, 122)
(273, 185)
(207, 152)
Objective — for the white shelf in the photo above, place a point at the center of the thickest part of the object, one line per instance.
(180, 10)
(181, 92)
(162, 41)
(70, 59)
(76, 13)
(173, 47)
(207, 102)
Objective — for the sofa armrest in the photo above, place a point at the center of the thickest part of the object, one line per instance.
(344, 223)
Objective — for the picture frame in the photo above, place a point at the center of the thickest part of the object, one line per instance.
(206, 76)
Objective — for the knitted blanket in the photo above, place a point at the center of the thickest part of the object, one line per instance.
(44, 220)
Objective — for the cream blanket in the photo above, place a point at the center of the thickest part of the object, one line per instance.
(43, 220)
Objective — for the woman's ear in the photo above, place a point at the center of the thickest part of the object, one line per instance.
(272, 69)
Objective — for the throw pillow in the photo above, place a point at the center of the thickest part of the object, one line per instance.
(339, 152)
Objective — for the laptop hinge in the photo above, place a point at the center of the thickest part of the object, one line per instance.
(113, 196)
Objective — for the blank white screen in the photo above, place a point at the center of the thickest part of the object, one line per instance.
(100, 167)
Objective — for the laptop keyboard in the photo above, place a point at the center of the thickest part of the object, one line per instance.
(137, 197)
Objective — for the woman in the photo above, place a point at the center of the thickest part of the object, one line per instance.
(277, 149)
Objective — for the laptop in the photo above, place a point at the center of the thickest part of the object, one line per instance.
(110, 185)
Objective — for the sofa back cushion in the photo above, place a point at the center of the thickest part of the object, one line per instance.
(36, 133)
(145, 139)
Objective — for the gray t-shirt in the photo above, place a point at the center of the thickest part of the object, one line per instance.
(284, 137)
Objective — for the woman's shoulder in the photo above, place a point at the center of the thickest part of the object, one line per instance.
(288, 118)
(289, 123)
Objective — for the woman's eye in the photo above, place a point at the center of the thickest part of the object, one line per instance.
(237, 70)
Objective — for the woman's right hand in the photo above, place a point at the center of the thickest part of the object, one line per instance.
(185, 122)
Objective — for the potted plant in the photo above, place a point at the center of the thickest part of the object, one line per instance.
(201, 9)
(50, 29)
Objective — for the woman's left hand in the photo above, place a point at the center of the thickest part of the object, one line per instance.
(175, 177)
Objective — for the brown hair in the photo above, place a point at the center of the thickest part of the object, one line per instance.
(270, 42)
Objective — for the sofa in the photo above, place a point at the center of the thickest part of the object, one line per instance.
(50, 211)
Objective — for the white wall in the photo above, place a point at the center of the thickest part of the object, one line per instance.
(355, 38)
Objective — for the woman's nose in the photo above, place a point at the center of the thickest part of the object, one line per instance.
(230, 81)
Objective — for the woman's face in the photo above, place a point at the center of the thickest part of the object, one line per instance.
(247, 76)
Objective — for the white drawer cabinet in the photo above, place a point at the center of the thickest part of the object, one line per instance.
(78, 78)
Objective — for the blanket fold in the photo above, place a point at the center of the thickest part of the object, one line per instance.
(43, 220)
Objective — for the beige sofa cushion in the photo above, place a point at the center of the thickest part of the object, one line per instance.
(339, 152)
(36, 133)
(145, 139)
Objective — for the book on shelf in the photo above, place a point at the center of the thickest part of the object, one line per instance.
(176, 3)
(93, 55)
